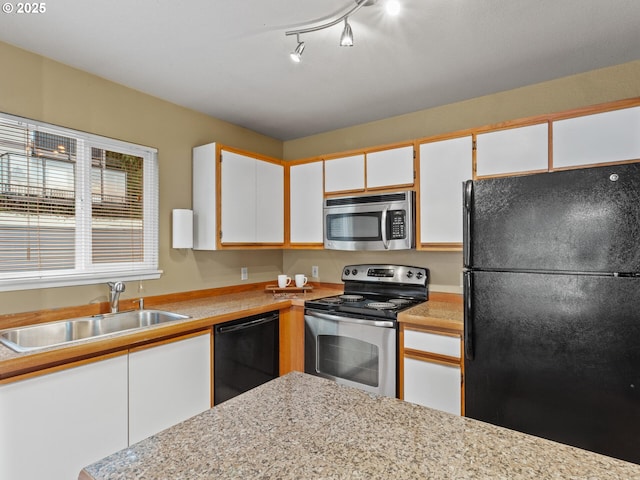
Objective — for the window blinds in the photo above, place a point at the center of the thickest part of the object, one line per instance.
(74, 207)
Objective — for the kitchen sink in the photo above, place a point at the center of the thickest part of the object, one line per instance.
(62, 332)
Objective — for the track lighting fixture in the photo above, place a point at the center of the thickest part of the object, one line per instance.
(346, 39)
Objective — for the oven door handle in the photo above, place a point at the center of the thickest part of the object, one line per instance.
(359, 321)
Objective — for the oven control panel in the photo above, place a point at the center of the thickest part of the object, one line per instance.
(386, 273)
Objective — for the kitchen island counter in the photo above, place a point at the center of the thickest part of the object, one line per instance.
(300, 426)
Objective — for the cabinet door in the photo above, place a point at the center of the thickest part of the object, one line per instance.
(433, 385)
(238, 184)
(306, 198)
(514, 150)
(444, 165)
(205, 231)
(269, 207)
(600, 138)
(342, 174)
(168, 384)
(55, 424)
(390, 167)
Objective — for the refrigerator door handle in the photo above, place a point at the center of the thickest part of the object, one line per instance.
(466, 223)
(468, 316)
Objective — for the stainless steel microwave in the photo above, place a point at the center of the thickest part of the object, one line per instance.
(383, 221)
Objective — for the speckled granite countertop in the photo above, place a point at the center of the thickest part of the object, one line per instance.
(441, 311)
(304, 427)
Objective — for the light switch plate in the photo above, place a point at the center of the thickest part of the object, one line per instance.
(314, 272)
(244, 273)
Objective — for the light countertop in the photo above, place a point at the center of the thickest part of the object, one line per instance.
(304, 427)
(441, 311)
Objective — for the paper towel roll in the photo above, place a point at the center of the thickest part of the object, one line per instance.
(182, 228)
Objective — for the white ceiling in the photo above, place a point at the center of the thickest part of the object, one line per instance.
(229, 58)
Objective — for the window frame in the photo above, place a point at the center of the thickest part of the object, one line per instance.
(86, 272)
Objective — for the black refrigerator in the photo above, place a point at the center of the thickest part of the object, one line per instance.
(552, 306)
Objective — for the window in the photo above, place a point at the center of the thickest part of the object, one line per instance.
(75, 208)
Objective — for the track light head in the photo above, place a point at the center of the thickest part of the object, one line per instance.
(346, 39)
(296, 55)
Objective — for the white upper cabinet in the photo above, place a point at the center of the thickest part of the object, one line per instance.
(306, 200)
(344, 174)
(205, 230)
(390, 167)
(599, 138)
(444, 166)
(514, 150)
(269, 207)
(251, 199)
(238, 200)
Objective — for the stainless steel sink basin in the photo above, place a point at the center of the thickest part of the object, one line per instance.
(25, 339)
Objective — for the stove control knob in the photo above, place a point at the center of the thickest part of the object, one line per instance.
(409, 274)
(346, 272)
(419, 275)
(354, 272)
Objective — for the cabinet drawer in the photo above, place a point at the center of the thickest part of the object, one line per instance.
(432, 342)
(432, 385)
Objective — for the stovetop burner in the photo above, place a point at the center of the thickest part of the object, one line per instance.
(381, 305)
(376, 291)
(399, 301)
(351, 298)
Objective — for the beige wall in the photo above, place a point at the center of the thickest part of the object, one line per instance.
(35, 87)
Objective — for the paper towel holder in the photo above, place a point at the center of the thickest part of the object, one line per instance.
(182, 228)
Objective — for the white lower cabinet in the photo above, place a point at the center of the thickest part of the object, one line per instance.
(432, 373)
(432, 384)
(53, 425)
(168, 384)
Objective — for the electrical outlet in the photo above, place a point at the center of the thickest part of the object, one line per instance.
(314, 272)
(244, 273)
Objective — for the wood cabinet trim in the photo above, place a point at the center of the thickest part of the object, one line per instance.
(63, 366)
(440, 247)
(431, 329)
(432, 357)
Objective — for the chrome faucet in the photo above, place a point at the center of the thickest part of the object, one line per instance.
(115, 289)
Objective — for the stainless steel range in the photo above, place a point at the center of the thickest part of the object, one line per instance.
(352, 338)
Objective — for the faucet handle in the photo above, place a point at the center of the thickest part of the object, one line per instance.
(116, 286)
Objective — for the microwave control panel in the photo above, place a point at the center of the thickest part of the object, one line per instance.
(396, 224)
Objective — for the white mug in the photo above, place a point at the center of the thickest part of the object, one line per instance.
(301, 280)
(283, 281)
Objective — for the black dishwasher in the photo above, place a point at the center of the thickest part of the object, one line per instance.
(245, 355)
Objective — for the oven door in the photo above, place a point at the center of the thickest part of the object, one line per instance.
(354, 352)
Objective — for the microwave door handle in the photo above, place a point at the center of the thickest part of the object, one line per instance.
(385, 240)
